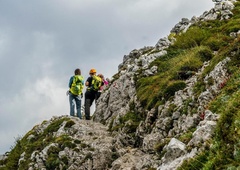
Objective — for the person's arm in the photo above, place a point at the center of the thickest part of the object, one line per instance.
(70, 82)
(87, 83)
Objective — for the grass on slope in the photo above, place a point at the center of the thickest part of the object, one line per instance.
(184, 58)
(224, 149)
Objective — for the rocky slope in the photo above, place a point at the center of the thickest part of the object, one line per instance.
(124, 134)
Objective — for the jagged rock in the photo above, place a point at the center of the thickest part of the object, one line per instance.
(163, 43)
(21, 158)
(151, 141)
(172, 165)
(222, 8)
(174, 149)
(205, 129)
(151, 71)
(226, 15)
(176, 115)
(93, 149)
(228, 5)
(147, 59)
(234, 34)
(181, 26)
(133, 159)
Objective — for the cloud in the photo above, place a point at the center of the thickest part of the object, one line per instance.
(36, 102)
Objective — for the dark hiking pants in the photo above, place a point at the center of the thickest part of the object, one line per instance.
(89, 98)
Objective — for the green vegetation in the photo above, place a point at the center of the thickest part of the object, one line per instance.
(173, 69)
(186, 137)
(186, 56)
(204, 41)
(192, 38)
(224, 152)
(35, 141)
(225, 149)
(69, 124)
(195, 163)
(129, 121)
(158, 148)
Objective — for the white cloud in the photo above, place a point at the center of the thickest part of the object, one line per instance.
(39, 101)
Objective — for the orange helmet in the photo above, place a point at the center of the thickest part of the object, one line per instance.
(92, 71)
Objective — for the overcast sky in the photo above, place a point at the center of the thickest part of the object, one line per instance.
(42, 42)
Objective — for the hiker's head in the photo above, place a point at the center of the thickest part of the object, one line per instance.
(100, 75)
(77, 71)
(92, 71)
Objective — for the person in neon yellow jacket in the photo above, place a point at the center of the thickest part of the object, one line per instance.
(75, 85)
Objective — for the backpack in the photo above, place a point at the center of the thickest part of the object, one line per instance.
(77, 85)
(96, 83)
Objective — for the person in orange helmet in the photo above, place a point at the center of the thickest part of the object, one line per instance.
(91, 92)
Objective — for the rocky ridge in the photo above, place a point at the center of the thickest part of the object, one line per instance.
(91, 144)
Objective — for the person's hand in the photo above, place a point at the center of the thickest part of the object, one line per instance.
(81, 95)
(67, 93)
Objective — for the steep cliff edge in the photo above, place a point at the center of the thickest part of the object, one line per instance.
(174, 105)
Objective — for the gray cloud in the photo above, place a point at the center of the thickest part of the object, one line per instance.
(42, 42)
